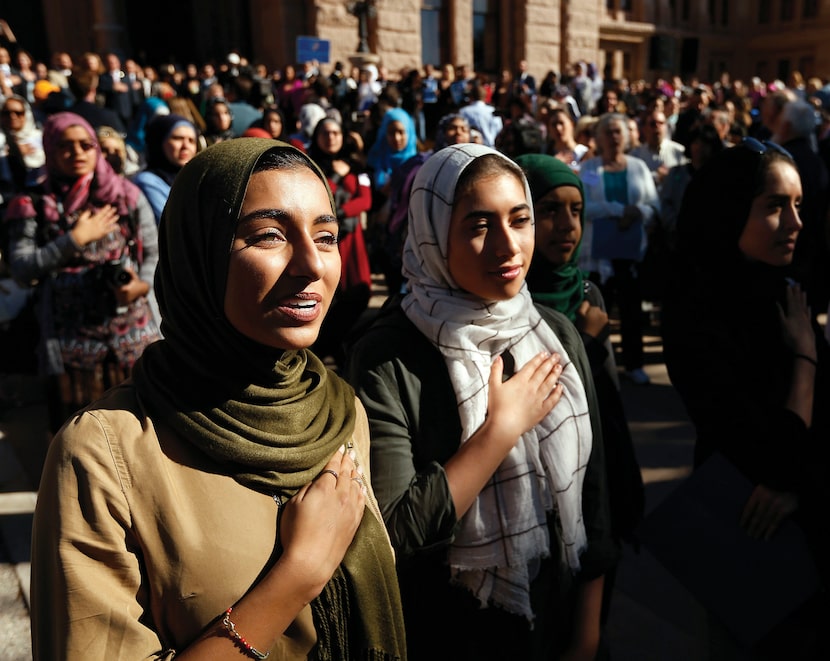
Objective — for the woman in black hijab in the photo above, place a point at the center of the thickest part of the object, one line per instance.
(747, 361)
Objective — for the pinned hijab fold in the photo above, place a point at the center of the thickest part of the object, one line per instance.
(271, 417)
(504, 535)
(558, 286)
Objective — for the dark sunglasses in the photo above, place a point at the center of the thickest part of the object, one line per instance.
(68, 146)
(17, 113)
(762, 147)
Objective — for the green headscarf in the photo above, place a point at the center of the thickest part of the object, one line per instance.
(273, 418)
(559, 287)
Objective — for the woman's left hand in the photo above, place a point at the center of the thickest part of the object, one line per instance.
(591, 319)
(765, 510)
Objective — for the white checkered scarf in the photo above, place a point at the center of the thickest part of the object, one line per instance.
(504, 535)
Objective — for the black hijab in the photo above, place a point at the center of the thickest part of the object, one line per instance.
(715, 209)
(159, 128)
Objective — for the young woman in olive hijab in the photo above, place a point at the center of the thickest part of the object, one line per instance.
(219, 504)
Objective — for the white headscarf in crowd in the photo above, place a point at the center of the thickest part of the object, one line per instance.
(30, 135)
(504, 535)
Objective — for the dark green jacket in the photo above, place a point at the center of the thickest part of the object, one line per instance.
(402, 380)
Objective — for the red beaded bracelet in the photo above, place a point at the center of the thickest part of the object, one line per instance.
(239, 640)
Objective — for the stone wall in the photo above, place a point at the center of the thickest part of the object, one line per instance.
(543, 37)
(395, 32)
(399, 34)
(540, 31)
(581, 37)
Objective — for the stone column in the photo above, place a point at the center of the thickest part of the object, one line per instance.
(107, 31)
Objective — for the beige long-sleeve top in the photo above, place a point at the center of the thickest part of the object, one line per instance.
(141, 541)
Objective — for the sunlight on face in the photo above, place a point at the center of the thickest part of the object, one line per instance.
(560, 126)
(770, 233)
(76, 155)
(558, 230)
(491, 238)
(330, 137)
(396, 135)
(285, 264)
(180, 145)
(612, 138)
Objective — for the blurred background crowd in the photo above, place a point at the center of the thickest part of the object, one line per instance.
(371, 128)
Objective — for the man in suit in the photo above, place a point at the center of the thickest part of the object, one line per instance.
(524, 83)
(120, 93)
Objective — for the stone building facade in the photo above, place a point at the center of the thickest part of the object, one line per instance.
(625, 38)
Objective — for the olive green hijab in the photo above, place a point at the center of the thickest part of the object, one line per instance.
(557, 286)
(273, 418)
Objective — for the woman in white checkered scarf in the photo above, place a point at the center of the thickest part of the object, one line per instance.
(470, 242)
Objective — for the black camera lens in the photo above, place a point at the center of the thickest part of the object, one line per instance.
(122, 277)
(115, 273)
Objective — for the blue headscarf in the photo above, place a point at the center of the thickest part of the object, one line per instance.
(382, 160)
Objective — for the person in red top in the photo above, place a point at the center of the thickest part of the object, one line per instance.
(343, 164)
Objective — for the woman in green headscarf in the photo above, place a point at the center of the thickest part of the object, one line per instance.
(555, 280)
(219, 503)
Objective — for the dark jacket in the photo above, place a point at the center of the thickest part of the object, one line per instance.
(98, 116)
(403, 382)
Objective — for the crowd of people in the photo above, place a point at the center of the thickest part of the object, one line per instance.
(451, 476)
